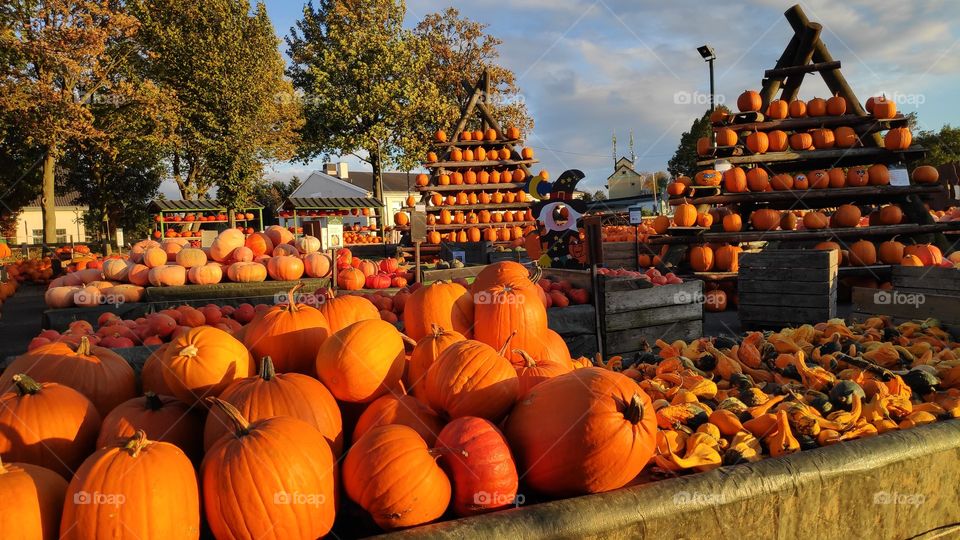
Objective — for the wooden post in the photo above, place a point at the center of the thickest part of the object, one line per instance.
(465, 113)
(485, 81)
(809, 35)
(416, 262)
(770, 86)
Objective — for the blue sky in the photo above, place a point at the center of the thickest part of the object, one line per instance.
(587, 68)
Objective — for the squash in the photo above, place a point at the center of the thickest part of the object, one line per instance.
(362, 361)
(288, 333)
(202, 362)
(470, 378)
(33, 499)
(164, 418)
(476, 456)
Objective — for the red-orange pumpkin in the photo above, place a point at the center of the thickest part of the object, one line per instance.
(765, 219)
(476, 456)
(403, 410)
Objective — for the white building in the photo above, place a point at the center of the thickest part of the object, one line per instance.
(626, 181)
(69, 218)
(337, 181)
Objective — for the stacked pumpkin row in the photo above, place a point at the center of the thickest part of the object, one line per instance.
(472, 177)
(408, 458)
(758, 180)
(358, 212)
(191, 217)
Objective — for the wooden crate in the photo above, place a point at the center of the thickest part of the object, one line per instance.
(918, 293)
(787, 287)
(634, 311)
(620, 255)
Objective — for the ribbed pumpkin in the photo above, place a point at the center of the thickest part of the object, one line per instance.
(781, 182)
(247, 272)
(279, 235)
(685, 215)
(285, 268)
(815, 220)
(778, 140)
(891, 215)
(836, 106)
(344, 310)
(898, 139)
(798, 109)
(758, 142)
(476, 456)
(925, 174)
(749, 101)
(151, 376)
(726, 137)
(499, 273)
(727, 258)
(708, 177)
(890, 252)
(929, 254)
(317, 265)
(470, 378)
(278, 394)
(202, 362)
(883, 108)
(531, 371)
(32, 501)
(167, 275)
(732, 223)
(96, 372)
(290, 334)
(206, 274)
(351, 279)
(701, 258)
(162, 418)
(425, 353)
(362, 361)
(225, 243)
(862, 253)
(588, 431)
(403, 410)
(823, 138)
(879, 175)
(765, 219)
(47, 424)
(149, 491)
(271, 479)
(510, 308)
(735, 180)
(448, 305)
(393, 475)
(758, 180)
(801, 141)
(846, 216)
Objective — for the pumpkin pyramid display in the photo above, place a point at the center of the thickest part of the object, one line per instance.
(477, 187)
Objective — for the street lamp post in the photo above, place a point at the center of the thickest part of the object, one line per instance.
(709, 55)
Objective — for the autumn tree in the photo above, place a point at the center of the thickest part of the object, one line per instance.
(461, 49)
(364, 82)
(60, 56)
(221, 60)
(684, 160)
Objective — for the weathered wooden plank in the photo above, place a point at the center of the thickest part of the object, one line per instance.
(572, 320)
(448, 274)
(754, 286)
(633, 299)
(625, 284)
(946, 279)
(643, 318)
(790, 300)
(775, 315)
(809, 68)
(782, 275)
(789, 258)
(629, 341)
(906, 305)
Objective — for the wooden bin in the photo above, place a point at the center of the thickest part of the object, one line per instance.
(918, 293)
(787, 287)
(634, 311)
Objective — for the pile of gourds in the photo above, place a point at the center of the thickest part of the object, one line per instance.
(719, 402)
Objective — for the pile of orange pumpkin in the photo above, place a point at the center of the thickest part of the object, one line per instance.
(449, 419)
(30, 270)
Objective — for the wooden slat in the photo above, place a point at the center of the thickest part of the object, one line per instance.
(862, 124)
(756, 286)
(630, 341)
(473, 187)
(491, 206)
(809, 68)
(811, 197)
(621, 299)
(945, 279)
(777, 315)
(786, 278)
(474, 164)
(578, 278)
(907, 305)
(451, 273)
(821, 234)
(782, 299)
(839, 157)
(657, 316)
(789, 258)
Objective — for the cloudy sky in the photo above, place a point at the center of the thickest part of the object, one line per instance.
(588, 68)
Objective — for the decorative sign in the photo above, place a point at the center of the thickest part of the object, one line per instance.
(118, 236)
(207, 237)
(636, 215)
(418, 223)
(899, 177)
(333, 233)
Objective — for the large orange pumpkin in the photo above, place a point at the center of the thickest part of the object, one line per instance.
(272, 479)
(285, 267)
(890, 252)
(588, 431)
(392, 474)
(317, 265)
(344, 310)
(862, 253)
(116, 490)
(837, 177)
(32, 501)
(815, 220)
(531, 371)
(778, 140)
(778, 109)
(362, 361)
(929, 254)
(164, 418)
(351, 279)
(476, 455)
(758, 180)
(289, 334)
(278, 394)
(758, 142)
(823, 138)
(749, 101)
(425, 353)
(818, 179)
(732, 222)
(224, 244)
(781, 182)
(879, 175)
(247, 272)
(847, 215)
(202, 362)
(898, 139)
(735, 180)
(765, 219)
(511, 308)
(96, 372)
(845, 137)
(448, 305)
(925, 174)
(47, 424)
(727, 258)
(701, 258)
(685, 215)
(891, 214)
(470, 378)
(403, 410)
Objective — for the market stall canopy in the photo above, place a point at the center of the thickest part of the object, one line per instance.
(194, 205)
(330, 203)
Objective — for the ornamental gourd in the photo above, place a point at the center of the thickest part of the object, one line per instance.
(47, 424)
(164, 418)
(278, 394)
(393, 475)
(470, 378)
(272, 479)
(202, 362)
(362, 361)
(448, 305)
(146, 479)
(98, 373)
(477, 457)
(588, 431)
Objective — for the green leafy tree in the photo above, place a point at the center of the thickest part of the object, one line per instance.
(943, 147)
(684, 160)
(461, 49)
(20, 174)
(599, 195)
(364, 82)
(273, 194)
(221, 59)
(60, 57)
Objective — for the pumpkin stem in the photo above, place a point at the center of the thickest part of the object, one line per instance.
(242, 427)
(84, 347)
(408, 340)
(137, 443)
(292, 295)
(153, 401)
(527, 359)
(267, 371)
(189, 350)
(25, 384)
(634, 412)
(537, 273)
(506, 344)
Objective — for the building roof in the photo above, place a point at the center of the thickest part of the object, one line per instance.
(392, 181)
(329, 203)
(193, 205)
(323, 186)
(620, 204)
(623, 165)
(70, 198)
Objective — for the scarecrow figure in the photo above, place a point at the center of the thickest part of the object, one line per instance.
(557, 241)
